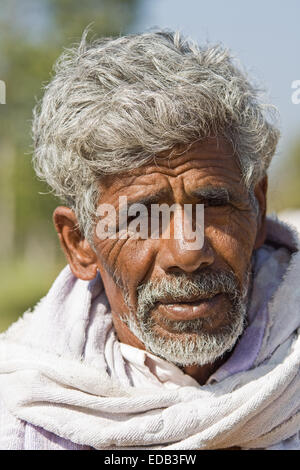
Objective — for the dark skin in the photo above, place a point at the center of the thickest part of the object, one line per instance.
(232, 231)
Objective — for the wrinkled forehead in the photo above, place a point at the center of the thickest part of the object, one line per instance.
(209, 162)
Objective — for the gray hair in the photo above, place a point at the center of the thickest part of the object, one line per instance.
(114, 104)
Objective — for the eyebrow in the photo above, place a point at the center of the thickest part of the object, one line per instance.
(153, 198)
(215, 194)
(147, 200)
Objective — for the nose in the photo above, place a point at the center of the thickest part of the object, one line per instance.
(177, 253)
(175, 256)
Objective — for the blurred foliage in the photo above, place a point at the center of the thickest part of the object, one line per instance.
(33, 34)
(23, 283)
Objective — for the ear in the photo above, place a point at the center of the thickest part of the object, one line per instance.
(81, 258)
(260, 192)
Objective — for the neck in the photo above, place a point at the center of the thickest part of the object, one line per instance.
(202, 373)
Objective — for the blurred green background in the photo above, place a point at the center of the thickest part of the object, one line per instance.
(32, 36)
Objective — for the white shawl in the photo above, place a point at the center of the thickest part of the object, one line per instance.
(61, 369)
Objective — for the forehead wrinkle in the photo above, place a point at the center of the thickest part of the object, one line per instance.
(204, 166)
(189, 163)
(214, 148)
(141, 190)
(203, 179)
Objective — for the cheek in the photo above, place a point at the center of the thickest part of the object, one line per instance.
(233, 240)
(128, 260)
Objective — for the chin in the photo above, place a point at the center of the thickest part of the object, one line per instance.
(191, 342)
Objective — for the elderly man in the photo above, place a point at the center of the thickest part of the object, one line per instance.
(152, 341)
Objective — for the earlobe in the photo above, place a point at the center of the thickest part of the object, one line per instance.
(80, 256)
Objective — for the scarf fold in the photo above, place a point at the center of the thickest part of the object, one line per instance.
(62, 369)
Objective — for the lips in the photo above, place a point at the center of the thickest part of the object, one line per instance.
(190, 300)
(189, 310)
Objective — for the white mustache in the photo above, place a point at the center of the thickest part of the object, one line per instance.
(182, 288)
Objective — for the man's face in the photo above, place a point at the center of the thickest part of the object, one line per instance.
(188, 306)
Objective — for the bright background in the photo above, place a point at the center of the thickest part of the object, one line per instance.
(263, 34)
